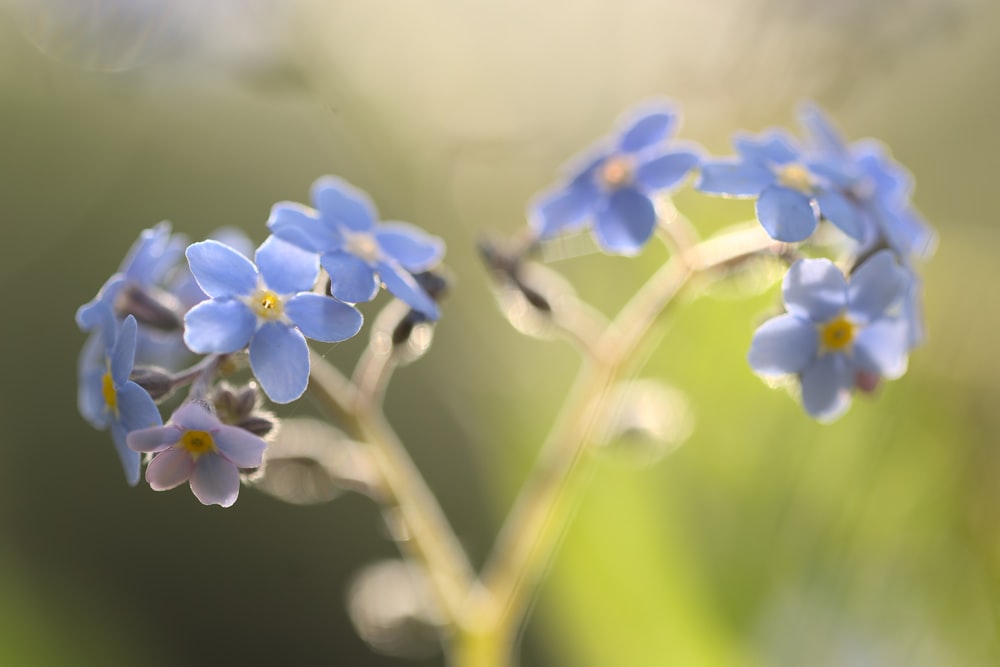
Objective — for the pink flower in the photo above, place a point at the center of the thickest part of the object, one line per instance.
(195, 446)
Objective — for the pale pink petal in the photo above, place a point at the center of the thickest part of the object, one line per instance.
(169, 469)
(215, 481)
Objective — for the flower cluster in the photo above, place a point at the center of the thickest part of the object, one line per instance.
(158, 311)
(852, 318)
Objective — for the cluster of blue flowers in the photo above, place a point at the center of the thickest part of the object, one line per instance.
(158, 311)
(851, 320)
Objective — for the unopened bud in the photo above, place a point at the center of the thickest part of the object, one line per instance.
(151, 307)
(157, 382)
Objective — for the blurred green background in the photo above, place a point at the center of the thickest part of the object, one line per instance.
(766, 539)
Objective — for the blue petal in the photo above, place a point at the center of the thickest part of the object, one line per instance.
(626, 223)
(665, 171)
(905, 231)
(279, 357)
(647, 129)
(351, 278)
(90, 398)
(823, 136)
(136, 409)
(839, 210)
(220, 270)
(343, 204)
(412, 247)
(876, 286)
(129, 458)
(815, 289)
(323, 318)
(98, 314)
(892, 182)
(218, 327)
(787, 215)
(882, 348)
(826, 387)
(286, 268)
(773, 147)
(782, 345)
(403, 286)
(731, 178)
(123, 353)
(562, 210)
(302, 226)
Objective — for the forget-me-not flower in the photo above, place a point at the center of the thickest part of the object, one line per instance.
(195, 446)
(106, 397)
(793, 190)
(357, 251)
(613, 187)
(269, 308)
(837, 333)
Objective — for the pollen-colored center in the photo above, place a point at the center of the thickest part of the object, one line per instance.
(109, 393)
(837, 334)
(616, 172)
(363, 245)
(796, 176)
(267, 305)
(197, 442)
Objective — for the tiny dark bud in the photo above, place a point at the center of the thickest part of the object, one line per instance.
(434, 283)
(534, 297)
(157, 382)
(151, 307)
(401, 333)
(259, 426)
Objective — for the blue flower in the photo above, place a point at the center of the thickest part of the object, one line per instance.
(793, 190)
(195, 446)
(271, 310)
(837, 334)
(878, 186)
(356, 250)
(106, 397)
(613, 186)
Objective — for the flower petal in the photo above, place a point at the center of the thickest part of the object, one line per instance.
(351, 278)
(136, 409)
(773, 147)
(626, 223)
(220, 270)
(405, 288)
(826, 387)
(732, 178)
(666, 171)
(562, 210)
(241, 448)
(876, 286)
(193, 416)
(215, 481)
(782, 345)
(343, 204)
(279, 357)
(323, 318)
(647, 128)
(882, 348)
(154, 439)
(219, 326)
(303, 226)
(169, 468)
(129, 459)
(285, 267)
(787, 215)
(815, 289)
(90, 398)
(412, 247)
(839, 210)
(823, 136)
(123, 353)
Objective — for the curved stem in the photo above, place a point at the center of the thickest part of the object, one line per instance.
(424, 532)
(532, 530)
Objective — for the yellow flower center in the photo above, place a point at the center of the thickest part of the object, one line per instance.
(615, 173)
(109, 393)
(363, 245)
(837, 334)
(797, 177)
(267, 304)
(197, 443)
